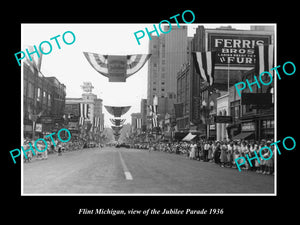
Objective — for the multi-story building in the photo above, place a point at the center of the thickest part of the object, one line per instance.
(234, 57)
(43, 102)
(169, 52)
(91, 124)
(251, 121)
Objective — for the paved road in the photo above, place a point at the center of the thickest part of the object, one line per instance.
(123, 171)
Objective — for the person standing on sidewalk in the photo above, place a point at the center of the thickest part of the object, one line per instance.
(205, 151)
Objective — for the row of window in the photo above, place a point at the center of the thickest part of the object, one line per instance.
(41, 96)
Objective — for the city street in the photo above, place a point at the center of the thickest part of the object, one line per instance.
(113, 170)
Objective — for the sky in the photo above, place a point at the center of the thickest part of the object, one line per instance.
(71, 68)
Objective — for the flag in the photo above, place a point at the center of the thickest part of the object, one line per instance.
(84, 110)
(154, 121)
(81, 120)
(117, 67)
(205, 65)
(264, 58)
(96, 121)
(150, 110)
(138, 123)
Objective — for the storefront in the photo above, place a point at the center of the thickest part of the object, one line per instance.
(266, 128)
(257, 129)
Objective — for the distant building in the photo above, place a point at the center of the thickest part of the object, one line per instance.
(45, 97)
(234, 58)
(169, 52)
(92, 121)
(251, 121)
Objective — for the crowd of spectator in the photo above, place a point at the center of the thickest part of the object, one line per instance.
(222, 153)
(56, 147)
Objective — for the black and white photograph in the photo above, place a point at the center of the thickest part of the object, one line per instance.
(155, 110)
(113, 112)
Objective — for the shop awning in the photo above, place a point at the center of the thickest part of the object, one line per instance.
(243, 135)
(189, 137)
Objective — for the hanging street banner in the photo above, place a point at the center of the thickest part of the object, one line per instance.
(117, 68)
(117, 111)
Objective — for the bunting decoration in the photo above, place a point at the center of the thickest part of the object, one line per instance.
(83, 112)
(205, 65)
(116, 67)
(96, 121)
(117, 122)
(117, 137)
(117, 111)
(138, 123)
(116, 129)
(264, 60)
(153, 114)
(35, 63)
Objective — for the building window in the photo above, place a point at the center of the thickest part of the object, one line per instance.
(235, 110)
(267, 124)
(49, 100)
(44, 97)
(38, 94)
(30, 92)
(162, 89)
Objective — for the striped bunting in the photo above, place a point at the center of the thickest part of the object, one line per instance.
(264, 58)
(205, 63)
(117, 122)
(101, 64)
(138, 123)
(96, 121)
(117, 111)
(84, 112)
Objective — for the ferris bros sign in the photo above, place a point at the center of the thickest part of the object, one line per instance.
(236, 49)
